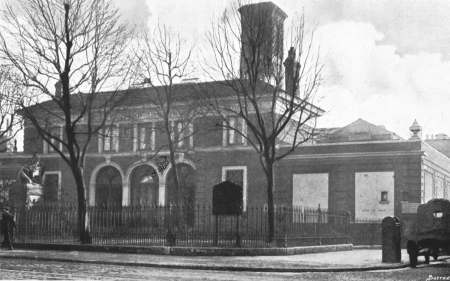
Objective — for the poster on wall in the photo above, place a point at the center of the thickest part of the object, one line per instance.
(310, 190)
(374, 195)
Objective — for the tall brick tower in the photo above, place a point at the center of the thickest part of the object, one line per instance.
(262, 26)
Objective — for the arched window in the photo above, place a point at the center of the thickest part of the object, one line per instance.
(108, 188)
(144, 186)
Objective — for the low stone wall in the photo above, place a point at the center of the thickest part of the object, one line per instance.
(189, 251)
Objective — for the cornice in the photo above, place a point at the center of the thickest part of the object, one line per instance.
(342, 155)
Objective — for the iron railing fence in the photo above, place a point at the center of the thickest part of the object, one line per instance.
(184, 226)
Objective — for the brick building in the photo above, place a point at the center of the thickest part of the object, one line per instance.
(361, 168)
(369, 177)
(365, 170)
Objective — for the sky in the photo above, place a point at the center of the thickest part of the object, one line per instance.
(386, 61)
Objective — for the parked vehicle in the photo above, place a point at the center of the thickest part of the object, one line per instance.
(433, 231)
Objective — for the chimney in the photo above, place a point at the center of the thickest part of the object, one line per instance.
(262, 29)
(291, 69)
(416, 131)
(58, 89)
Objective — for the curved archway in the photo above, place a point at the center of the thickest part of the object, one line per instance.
(108, 187)
(165, 174)
(144, 185)
(93, 179)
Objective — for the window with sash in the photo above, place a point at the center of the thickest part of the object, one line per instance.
(146, 136)
(183, 134)
(110, 139)
(57, 132)
(234, 131)
(51, 186)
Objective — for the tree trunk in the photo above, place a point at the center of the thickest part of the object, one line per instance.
(178, 195)
(176, 183)
(178, 208)
(270, 204)
(83, 216)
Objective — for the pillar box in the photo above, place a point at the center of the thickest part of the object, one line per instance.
(391, 239)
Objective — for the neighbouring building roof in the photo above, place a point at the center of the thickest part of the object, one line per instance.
(359, 130)
(442, 145)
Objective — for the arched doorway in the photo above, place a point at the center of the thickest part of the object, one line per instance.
(108, 187)
(144, 184)
(187, 182)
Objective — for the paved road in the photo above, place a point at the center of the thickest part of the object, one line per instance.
(29, 269)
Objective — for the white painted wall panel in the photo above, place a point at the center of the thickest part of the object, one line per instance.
(439, 186)
(310, 190)
(427, 187)
(368, 189)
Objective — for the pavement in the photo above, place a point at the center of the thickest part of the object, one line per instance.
(355, 260)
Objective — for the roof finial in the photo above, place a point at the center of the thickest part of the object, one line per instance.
(416, 130)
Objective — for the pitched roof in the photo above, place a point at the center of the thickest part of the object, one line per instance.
(181, 92)
(442, 145)
(145, 95)
(359, 130)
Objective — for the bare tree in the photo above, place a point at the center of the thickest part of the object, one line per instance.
(277, 118)
(5, 188)
(165, 61)
(10, 121)
(78, 46)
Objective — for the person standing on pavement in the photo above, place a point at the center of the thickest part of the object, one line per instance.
(7, 228)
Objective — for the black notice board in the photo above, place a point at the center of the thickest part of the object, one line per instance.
(227, 199)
